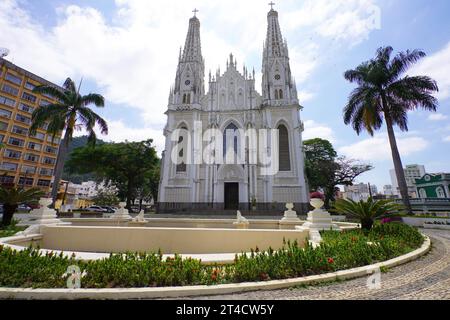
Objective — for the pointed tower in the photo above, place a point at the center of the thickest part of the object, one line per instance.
(278, 86)
(189, 82)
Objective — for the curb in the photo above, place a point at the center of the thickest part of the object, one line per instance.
(191, 291)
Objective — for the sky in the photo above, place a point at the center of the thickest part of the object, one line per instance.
(127, 50)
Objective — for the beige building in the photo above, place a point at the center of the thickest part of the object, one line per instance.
(25, 160)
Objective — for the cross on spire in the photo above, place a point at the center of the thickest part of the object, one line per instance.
(195, 12)
(271, 4)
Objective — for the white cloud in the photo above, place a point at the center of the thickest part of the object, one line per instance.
(437, 117)
(378, 149)
(316, 130)
(446, 139)
(349, 20)
(436, 66)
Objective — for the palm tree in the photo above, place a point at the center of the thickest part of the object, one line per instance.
(367, 211)
(11, 197)
(384, 92)
(70, 113)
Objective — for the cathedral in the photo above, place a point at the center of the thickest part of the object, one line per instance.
(232, 107)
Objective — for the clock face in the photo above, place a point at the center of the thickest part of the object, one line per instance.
(188, 82)
(277, 77)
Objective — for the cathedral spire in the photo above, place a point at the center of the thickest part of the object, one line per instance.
(189, 82)
(278, 86)
(192, 47)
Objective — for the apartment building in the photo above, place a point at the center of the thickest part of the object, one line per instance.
(25, 160)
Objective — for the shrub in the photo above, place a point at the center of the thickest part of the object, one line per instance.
(348, 249)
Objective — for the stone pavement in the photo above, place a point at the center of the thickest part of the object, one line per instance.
(427, 278)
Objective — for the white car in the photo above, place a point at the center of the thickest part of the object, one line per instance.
(96, 209)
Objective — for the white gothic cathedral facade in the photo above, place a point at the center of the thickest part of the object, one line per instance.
(233, 103)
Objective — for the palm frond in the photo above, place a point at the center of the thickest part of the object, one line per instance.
(93, 98)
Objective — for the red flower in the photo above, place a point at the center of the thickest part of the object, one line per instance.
(317, 195)
(330, 260)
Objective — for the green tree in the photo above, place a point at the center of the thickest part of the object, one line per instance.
(126, 165)
(12, 197)
(384, 92)
(70, 113)
(106, 197)
(325, 170)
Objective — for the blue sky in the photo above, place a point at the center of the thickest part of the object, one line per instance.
(128, 50)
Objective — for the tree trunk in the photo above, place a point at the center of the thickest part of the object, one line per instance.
(399, 172)
(62, 154)
(366, 224)
(8, 213)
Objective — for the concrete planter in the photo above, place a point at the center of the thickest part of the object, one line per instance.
(420, 222)
(436, 226)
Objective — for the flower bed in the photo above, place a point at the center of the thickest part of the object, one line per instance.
(339, 251)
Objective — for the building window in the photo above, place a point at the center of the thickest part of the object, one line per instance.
(26, 108)
(440, 193)
(280, 95)
(23, 119)
(28, 170)
(46, 172)
(31, 157)
(52, 150)
(25, 181)
(14, 79)
(231, 131)
(53, 140)
(9, 166)
(43, 183)
(7, 102)
(34, 146)
(6, 179)
(44, 126)
(29, 86)
(16, 142)
(5, 113)
(29, 97)
(10, 90)
(2, 137)
(12, 154)
(181, 168)
(284, 152)
(20, 130)
(422, 194)
(3, 126)
(50, 161)
(39, 136)
(43, 103)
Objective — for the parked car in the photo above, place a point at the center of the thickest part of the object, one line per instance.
(96, 209)
(109, 209)
(24, 208)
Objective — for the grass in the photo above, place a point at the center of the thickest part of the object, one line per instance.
(10, 230)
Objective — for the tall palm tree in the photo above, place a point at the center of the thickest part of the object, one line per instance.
(11, 197)
(70, 113)
(384, 92)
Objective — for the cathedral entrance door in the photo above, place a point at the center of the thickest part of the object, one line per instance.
(231, 196)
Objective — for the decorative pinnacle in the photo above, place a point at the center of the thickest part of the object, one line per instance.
(271, 4)
(195, 12)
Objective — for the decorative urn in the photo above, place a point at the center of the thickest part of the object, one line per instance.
(317, 200)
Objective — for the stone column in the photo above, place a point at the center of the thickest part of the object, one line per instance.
(319, 219)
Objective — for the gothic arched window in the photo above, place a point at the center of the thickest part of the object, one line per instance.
(280, 95)
(422, 194)
(181, 168)
(440, 193)
(184, 98)
(276, 94)
(284, 152)
(231, 131)
(188, 98)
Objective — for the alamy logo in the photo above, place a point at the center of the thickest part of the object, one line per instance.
(233, 146)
